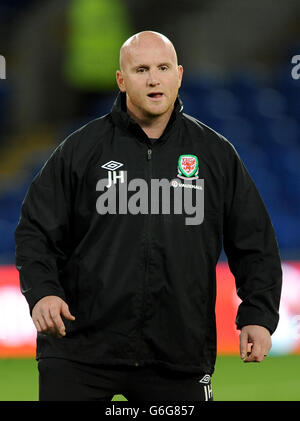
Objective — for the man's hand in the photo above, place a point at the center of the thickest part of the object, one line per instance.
(46, 316)
(255, 343)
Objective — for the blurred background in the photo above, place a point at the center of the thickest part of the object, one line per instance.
(240, 78)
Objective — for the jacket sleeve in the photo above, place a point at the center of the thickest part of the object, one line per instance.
(42, 234)
(251, 248)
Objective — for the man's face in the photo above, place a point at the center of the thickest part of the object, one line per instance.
(150, 76)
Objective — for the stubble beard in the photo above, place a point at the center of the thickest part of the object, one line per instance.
(146, 114)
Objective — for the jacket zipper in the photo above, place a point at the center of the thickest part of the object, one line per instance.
(149, 161)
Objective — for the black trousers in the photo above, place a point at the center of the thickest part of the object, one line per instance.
(64, 380)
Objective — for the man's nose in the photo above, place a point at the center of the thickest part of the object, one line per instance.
(152, 80)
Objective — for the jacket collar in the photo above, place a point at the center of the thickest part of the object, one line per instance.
(122, 119)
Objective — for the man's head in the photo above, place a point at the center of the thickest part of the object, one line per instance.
(149, 74)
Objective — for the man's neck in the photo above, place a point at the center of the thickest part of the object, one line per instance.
(152, 126)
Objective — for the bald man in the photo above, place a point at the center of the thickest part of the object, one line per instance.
(118, 241)
(150, 76)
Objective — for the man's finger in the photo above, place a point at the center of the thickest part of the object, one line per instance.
(256, 354)
(48, 320)
(66, 312)
(42, 323)
(37, 325)
(58, 323)
(243, 345)
(49, 325)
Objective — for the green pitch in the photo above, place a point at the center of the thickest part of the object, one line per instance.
(275, 379)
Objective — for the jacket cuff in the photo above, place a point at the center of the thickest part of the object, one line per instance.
(34, 295)
(268, 323)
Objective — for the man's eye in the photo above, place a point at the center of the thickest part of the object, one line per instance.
(163, 68)
(141, 70)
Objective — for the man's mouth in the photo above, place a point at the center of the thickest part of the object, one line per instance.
(155, 95)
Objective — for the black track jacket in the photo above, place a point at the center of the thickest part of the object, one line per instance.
(129, 232)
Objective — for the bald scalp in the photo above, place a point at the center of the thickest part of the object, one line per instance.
(145, 40)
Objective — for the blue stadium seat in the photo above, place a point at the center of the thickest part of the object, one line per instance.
(10, 206)
(199, 85)
(7, 241)
(286, 226)
(238, 131)
(270, 103)
(246, 83)
(284, 130)
(222, 103)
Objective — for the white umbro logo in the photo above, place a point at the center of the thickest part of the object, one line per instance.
(205, 379)
(112, 176)
(112, 165)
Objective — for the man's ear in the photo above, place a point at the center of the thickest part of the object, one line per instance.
(180, 73)
(120, 81)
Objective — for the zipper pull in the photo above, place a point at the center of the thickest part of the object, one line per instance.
(149, 154)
